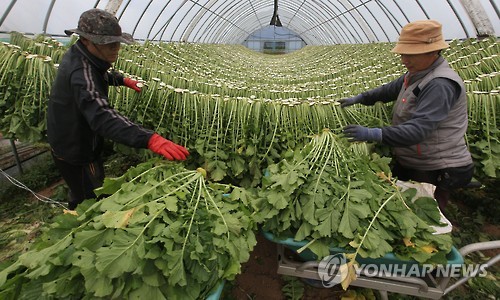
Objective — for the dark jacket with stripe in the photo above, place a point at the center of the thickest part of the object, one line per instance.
(79, 116)
(429, 118)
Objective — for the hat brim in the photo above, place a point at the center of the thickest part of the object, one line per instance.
(409, 48)
(102, 39)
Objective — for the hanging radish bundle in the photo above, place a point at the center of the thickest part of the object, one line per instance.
(25, 81)
(241, 110)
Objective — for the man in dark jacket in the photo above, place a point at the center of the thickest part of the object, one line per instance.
(429, 117)
(79, 116)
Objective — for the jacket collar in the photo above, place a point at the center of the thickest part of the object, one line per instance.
(411, 78)
(99, 63)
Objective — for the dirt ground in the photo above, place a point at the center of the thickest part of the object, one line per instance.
(259, 278)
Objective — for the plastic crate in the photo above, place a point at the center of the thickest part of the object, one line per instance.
(453, 258)
(216, 292)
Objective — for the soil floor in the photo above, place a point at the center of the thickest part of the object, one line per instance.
(259, 279)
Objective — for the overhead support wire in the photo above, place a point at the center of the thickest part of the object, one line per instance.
(156, 20)
(295, 13)
(459, 19)
(495, 7)
(47, 16)
(376, 21)
(142, 16)
(360, 18)
(337, 16)
(401, 11)
(347, 6)
(174, 32)
(210, 24)
(221, 32)
(221, 17)
(186, 33)
(423, 10)
(218, 31)
(310, 12)
(388, 14)
(337, 34)
(7, 11)
(162, 29)
(255, 12)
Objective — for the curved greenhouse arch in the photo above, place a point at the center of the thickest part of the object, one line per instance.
(231, 22)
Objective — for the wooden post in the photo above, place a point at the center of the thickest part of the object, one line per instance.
(479, 18)
(113, 6)
(16, 156)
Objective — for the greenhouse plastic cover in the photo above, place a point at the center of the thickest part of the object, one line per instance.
(232, 22)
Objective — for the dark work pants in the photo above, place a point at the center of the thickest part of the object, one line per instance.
(81, 179)
(445, 180)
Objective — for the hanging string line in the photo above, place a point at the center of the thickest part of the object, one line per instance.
(39, 197)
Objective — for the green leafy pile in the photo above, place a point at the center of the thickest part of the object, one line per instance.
(162, 232)
(334, 193)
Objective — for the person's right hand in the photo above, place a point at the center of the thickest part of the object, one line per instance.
(350, 101)
(167, 148)
(133, 84)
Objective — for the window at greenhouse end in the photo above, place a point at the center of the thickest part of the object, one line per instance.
(274, 47)
(274, 40)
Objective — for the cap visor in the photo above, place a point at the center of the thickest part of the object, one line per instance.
(70, 31)
(127, 38)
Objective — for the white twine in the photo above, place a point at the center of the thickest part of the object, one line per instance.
(39, 197)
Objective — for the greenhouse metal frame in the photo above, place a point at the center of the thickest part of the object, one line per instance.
(254, 114)
(231, 22)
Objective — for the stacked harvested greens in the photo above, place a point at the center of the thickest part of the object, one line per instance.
(164, 232)
(333, 193)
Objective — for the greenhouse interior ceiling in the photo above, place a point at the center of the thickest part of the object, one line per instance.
(315, 22)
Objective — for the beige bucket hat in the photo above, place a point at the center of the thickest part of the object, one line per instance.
(420, 37)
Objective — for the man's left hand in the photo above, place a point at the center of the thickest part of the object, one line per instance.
(133, 84)
(358, 133)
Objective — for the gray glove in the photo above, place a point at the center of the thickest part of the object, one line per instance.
(350, 101)
(358, 133)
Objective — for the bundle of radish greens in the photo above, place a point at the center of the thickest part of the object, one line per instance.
(333, 193)
(163, 232)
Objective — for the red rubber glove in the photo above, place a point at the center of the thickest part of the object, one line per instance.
(133, 84)
(168, 149)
